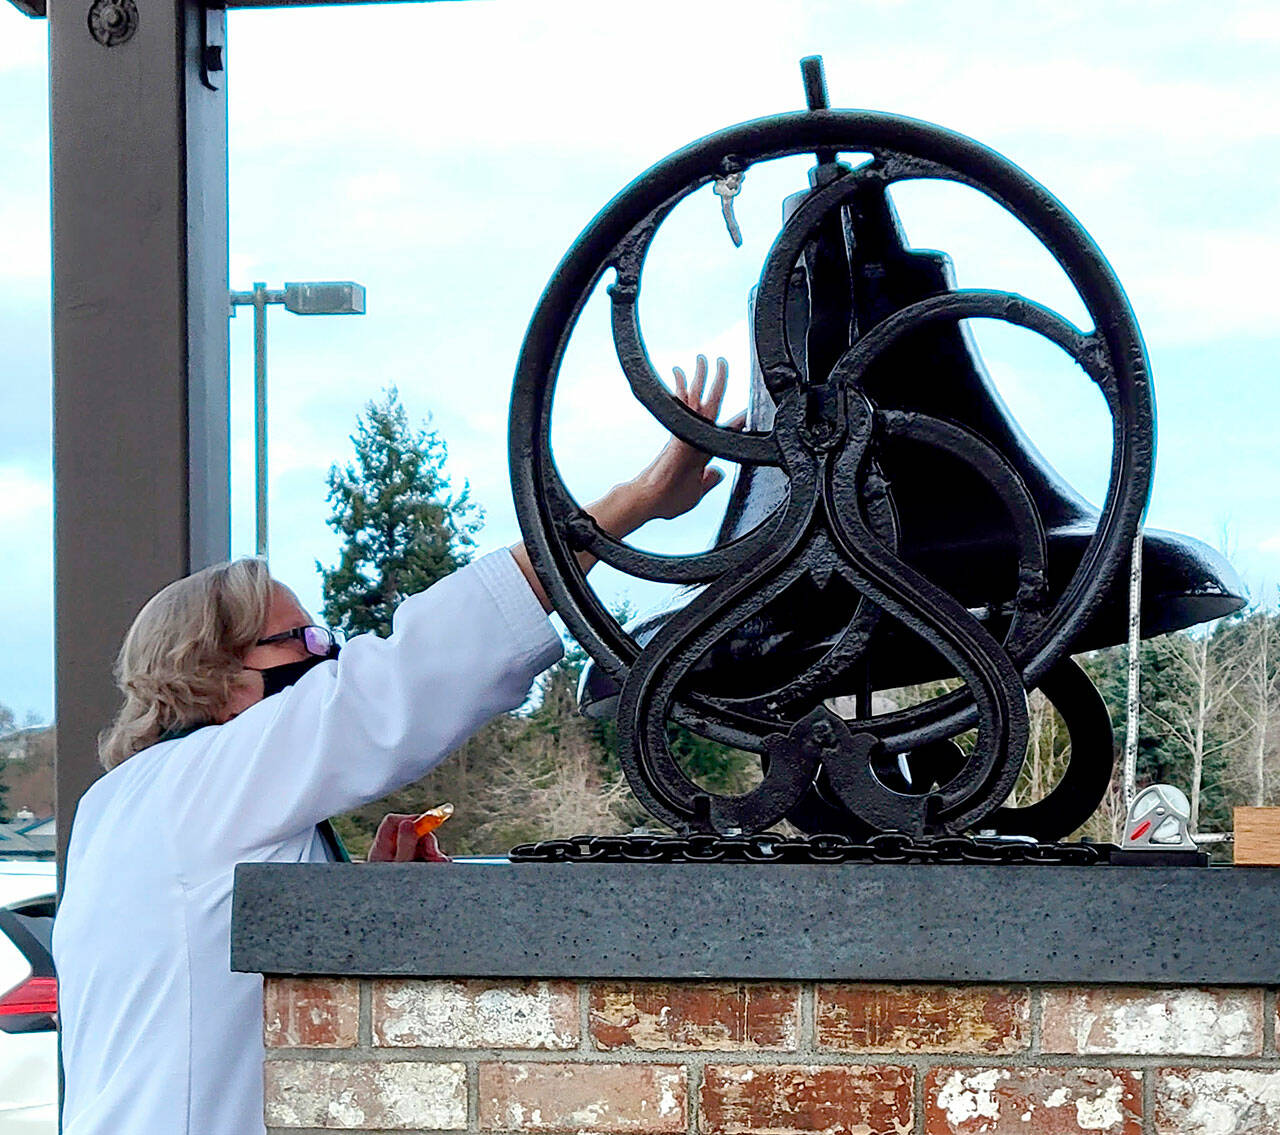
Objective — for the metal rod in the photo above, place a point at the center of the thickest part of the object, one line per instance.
(1132, 700)
(862, 699)
(815, 82)
(260, 301)
(815, 95)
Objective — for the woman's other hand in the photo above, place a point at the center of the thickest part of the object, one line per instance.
(396, 842)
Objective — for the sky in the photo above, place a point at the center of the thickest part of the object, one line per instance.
(446, 155)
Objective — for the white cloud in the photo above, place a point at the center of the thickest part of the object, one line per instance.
(1256, 23)
(26, 248)
(1216, 284)
(26, 501)
(23, 41)
(445, 79)
(512, 75)
(1079, 98)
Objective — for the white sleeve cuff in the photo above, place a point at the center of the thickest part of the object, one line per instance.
(502, 578)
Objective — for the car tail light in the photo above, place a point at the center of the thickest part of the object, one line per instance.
(31, 1006)
(35, 995)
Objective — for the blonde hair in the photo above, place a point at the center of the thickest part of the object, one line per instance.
(181, 658)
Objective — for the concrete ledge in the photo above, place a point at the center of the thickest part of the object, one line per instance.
(860, 922)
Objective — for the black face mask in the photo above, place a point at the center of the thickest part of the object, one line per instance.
(277, 678)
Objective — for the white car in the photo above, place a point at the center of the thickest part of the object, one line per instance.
(28, 999)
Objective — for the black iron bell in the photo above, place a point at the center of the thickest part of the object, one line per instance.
(951, 526)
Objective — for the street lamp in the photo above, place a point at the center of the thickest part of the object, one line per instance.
(330, 298)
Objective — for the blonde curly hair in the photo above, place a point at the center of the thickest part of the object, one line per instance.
(182, 656)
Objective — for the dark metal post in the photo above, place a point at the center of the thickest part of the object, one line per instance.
(140, 335)
(260, 414)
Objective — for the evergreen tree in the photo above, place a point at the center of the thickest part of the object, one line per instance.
(402, 528)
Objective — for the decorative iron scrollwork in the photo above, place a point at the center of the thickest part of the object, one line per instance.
(837, 523)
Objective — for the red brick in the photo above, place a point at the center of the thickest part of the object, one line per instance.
(1154, 1022)
(475, 1014)
(727, 1017)
(357, 1095)
(923, 1018)
(1033, 1101)
(778, 1099)
(1217, 1101)
(310, 1012)
(583, 1097)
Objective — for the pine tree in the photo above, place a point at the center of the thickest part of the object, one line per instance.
(402, 529)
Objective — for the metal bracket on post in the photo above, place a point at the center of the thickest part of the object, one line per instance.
(213, 43)
(113, 22)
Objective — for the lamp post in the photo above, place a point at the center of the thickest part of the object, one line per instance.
(341, 298)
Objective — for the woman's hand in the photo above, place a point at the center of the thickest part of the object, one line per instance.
(679, 477)
(397, 842)
(672, 483)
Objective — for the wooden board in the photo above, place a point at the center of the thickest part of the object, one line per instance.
(1257, 837)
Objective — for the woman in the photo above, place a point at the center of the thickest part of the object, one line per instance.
(242, 730)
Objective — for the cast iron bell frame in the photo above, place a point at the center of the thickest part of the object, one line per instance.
(810, 439)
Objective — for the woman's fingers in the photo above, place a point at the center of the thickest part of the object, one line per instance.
(701, 397)
(715, 394)
(429, 850)
(406, 841)
(386, 839)
(397, 842)
(699, 381)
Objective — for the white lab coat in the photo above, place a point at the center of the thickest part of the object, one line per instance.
(159, 1036)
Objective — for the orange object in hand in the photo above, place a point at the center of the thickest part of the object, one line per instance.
(432, 819)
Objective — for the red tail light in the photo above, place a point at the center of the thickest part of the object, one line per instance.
(35, 995)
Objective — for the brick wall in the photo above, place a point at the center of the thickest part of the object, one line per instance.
(769, 1059)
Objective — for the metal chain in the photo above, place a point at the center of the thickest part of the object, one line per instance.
(886, 847)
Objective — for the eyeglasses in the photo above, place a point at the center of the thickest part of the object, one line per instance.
(320, 641)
